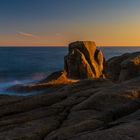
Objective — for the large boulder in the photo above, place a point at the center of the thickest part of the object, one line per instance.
(124, 67)
(84, 60)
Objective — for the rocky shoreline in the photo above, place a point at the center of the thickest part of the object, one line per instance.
(90, 99)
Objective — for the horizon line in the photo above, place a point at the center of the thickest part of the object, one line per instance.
(66, 46)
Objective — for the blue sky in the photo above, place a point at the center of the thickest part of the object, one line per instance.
(62, 21)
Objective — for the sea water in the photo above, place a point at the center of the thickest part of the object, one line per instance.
(19, 65)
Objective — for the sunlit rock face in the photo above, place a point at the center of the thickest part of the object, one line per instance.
(124, 67)
(84, 60)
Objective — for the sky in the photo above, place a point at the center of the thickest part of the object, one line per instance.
(59, 22)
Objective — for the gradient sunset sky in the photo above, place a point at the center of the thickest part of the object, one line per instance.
(58, 22)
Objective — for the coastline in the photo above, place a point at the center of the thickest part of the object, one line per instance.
(42, 63)
(104, 106)
(94, 108)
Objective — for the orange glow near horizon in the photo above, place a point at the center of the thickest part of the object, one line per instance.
(57, 23)
(113, 34)
(55, 41)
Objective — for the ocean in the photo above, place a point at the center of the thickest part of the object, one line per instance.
(20, 65)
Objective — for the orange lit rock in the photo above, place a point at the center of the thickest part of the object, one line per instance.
(84, 60)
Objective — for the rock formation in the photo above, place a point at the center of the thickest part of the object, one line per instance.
(89, 109)
(95, 108)
(124, 67)
(84, 60)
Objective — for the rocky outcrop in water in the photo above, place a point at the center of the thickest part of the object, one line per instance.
(84, 60)
(124, 67)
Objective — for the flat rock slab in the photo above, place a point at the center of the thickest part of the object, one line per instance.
(89, 109)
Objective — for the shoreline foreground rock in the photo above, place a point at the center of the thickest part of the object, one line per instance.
(92, 108)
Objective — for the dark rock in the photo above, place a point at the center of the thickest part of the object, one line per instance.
(91, 108)
(124, 67)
